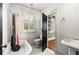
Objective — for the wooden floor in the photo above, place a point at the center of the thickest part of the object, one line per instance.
(51, 44)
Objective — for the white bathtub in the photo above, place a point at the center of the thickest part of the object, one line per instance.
(25, 49)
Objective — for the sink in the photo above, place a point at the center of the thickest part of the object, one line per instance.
(24, 50)
(72, 43)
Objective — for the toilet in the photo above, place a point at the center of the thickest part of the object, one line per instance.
(38, 42)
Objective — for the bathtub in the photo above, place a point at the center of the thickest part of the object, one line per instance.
(25, 49)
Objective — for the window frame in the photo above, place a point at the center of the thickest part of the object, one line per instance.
(29, 24)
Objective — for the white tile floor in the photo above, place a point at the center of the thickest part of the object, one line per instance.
(47, 51)
(38, 51)
(35, 50)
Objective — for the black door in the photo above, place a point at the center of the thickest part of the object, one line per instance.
(44, 32)
(0, 29)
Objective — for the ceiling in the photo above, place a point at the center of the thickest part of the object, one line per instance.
(44, 7)
(41, 6)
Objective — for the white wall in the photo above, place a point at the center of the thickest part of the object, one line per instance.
(69, 28)
(6, 25)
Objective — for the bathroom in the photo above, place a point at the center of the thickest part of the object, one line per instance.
(65, 21)
(30, 31)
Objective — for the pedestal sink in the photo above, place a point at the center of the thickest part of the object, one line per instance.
(71, 44)
(24, 50)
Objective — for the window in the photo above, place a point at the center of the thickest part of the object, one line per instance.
(29, 23)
